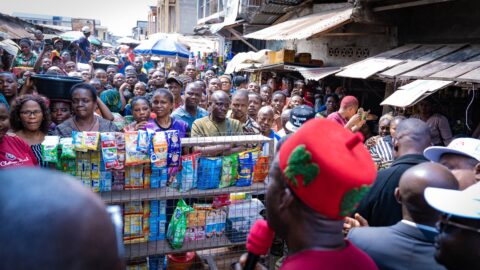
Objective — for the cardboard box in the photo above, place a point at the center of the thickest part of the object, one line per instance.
(285, 56)
(317, 62)
(271, 57)
(304, 58)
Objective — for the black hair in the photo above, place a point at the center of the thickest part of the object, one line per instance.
(86, 86)
(255, 94)
(135, 100)
(334, 96)
(112, 66)
(238, 80)
(16, 121)
(276, 93)
(164, 92)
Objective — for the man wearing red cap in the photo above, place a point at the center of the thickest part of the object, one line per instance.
(309, 194)
(347, 115)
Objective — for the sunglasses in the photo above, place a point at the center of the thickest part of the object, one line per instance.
(445, 222)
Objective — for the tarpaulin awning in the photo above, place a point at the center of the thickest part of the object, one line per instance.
(317, 73)
(412, 93)
(306, 26)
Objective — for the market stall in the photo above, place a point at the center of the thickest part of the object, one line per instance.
(171, 201)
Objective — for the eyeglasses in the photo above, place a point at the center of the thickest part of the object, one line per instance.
(29, 113)
(445, 222)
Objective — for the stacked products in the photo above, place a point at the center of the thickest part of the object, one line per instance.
(146, 159)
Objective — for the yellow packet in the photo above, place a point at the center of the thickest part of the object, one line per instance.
(90, 140)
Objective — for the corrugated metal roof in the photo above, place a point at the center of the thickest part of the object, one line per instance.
(305, 27)
(448, 62)
(412, 93)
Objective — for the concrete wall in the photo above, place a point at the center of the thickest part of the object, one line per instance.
(320, 48)
(188, 16)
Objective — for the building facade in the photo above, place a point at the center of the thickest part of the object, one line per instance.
(172, 16)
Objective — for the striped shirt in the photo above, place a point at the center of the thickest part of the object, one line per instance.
(382, 152)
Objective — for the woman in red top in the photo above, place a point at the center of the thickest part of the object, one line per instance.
(14, 152)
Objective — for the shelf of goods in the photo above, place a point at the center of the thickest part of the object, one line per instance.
(135, 250)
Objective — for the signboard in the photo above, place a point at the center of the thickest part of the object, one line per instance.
(78, 23)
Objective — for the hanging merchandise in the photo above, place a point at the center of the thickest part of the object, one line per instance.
(68, 152)
(90, 140)
(78, 141)
(178, 224)
(109, 150)
(187, 177)
(246, 160)
(133, 156)
(174, 149)
(229, 170)
(160, 150)
(50, 149)
(209, 172)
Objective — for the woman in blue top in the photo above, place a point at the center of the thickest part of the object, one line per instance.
(162, 106)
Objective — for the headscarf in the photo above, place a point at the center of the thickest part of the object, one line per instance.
(112, 100)
(4, 101)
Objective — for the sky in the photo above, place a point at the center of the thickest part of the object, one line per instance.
(120, 16)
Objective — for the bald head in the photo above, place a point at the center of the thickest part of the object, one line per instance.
(412, 186)
(266, 110)
(55, 224)
(220, 95)
(412, 137)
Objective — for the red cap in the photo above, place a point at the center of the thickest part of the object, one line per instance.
(260, 238)
(329, 172)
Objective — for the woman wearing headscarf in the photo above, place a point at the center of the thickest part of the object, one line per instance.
(26, 57)
(84, 102)
(30, 120)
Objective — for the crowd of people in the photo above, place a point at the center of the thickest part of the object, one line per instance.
(340, 200)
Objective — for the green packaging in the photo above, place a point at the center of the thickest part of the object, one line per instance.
(178, 224)
(229, 170)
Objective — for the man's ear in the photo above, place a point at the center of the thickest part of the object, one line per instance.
(477, 172)
(286, 199)
(397, 195)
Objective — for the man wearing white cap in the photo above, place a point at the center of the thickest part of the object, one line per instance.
(461, 157)
(83, 46)
(458, 242)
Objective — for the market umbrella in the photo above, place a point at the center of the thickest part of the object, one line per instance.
(162, 47)
(127, 40)
(9, 46)
(75, 35)
(107, 45)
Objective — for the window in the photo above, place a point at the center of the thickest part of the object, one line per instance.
(206, 8)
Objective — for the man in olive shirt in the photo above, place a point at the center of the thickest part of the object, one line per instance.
(217, 124)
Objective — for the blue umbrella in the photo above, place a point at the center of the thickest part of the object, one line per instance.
(162, 47)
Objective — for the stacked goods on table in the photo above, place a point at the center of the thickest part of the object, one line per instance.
(144, 221)
(146, 160)
(232, 218)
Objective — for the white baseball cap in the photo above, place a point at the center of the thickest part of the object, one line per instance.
(86, 29)
(463, 146)
(465, 203)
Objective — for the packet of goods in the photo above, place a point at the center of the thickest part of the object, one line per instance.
(90, 140)
(118, 179)
(77, 140)
(158, 177)
(178, 224)
(260, 170)
(133, 222)
(105, 181)
(134, 177)
(246, 161)
(229, 170)
(133, 157)
(215, 222)
(67, 146)
(174, 148)
(195, 225)
(109, 150)
(50, 148)
(143, 141)
(186, 178)
(160, 150)
(209, 172)
(147, 172)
